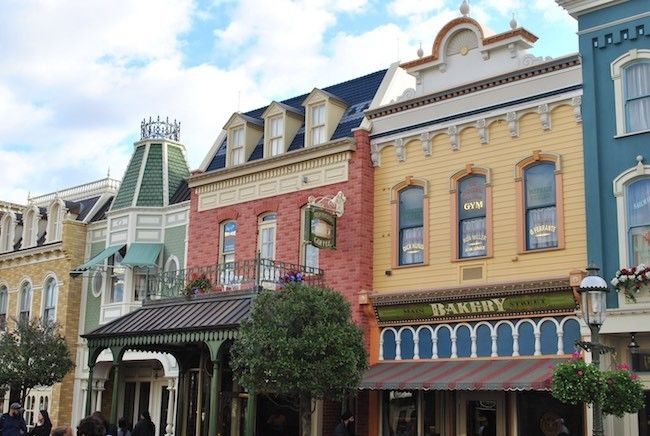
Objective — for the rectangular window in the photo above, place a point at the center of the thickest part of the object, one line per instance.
(411, 413)
(228, 244)
(541, 211)
(275, 136)
(309, 253)
(25, 302)
(637, 96)
(116, 294)
(51, 295)
(472, 217)
(318, 124)
(638, 219)
(411, 226)
(236, 142)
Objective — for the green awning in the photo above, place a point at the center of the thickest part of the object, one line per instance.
(97, 260)
(140, 254)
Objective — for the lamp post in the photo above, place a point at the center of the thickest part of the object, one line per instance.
(593, 290)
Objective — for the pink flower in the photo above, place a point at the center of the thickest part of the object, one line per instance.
(634, 376)
(576, 355)
(623, 366)
(580, 373)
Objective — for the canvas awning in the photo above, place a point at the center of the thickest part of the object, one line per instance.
(625, 322)
(140, 254)
(97, 260)
(465, 374)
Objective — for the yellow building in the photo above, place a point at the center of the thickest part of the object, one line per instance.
(479, 238)
(39, 245)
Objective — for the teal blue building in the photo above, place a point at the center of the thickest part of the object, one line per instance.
(614, 40)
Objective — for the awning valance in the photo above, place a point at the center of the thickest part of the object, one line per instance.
(140, 254)
(462, 374)
(97, 260)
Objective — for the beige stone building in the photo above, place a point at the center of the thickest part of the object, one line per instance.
(39, 244)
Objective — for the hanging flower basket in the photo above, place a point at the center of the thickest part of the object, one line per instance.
(631, 280)
(623, 391)
(575, 382)
(199, 284)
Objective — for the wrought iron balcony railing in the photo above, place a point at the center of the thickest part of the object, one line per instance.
(251, 274)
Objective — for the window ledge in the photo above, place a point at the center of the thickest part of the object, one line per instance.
(469, 259)
(415, 265)
(625, 135)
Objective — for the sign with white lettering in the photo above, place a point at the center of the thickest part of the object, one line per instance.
(321, 228)
(479, 307)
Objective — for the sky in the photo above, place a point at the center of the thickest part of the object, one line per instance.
(78, 76)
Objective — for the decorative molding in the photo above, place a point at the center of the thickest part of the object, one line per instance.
(576, 103)
(483, 132)
(427, 146)
(375, 157)
(454, 140)
(334, 204)
(400, 150)
(544, 116)
(513, 124)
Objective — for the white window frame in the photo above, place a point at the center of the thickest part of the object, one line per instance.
(236, 143)
(19, 308)
(617, 69)
(4, 303)
(226, 256)
(276, 135)
(44, 305)
(172, 259)
(305, 245)
(112, 278)
(318, 123)
(54, 220)
(97, 290)
(265, 222)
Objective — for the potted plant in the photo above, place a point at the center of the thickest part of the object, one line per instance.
(623, 391)
(576, 381)
(631, 280)
(199, 284)
(293, 277)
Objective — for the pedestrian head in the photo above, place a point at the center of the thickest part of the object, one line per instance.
(347, 417)
(102, 420)
(123, 423)
(91, 426)
(145, 414)
(62, 431)
(14, 409)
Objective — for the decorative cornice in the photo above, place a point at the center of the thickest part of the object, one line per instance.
(504, 79)
(33, 254)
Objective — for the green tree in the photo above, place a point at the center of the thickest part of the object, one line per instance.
(300, 341)
(33, 354)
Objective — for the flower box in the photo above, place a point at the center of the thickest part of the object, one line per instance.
(632, 281)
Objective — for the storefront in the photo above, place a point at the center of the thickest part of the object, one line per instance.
(478, 361)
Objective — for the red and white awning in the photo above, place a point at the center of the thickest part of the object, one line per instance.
(462, 374)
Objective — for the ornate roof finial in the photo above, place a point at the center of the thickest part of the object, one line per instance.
(639, 159)
(108, 172)
(464, 8)
(513, 22)
(420, 51)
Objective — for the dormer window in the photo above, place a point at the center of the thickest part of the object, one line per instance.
(275, 132)
(236, 142)
(318, 131)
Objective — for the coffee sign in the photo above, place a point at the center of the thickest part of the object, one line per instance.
(321, 228)
(478, 308)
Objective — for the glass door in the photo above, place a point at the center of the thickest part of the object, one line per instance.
(481, 414)
(266, 247)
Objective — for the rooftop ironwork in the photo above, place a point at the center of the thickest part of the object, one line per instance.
(160, 129)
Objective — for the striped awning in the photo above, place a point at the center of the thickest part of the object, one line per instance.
(462, 374)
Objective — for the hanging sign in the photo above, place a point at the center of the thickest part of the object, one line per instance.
(321, 228)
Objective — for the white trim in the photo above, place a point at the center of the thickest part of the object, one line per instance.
(613, 23)
(170, 259)
(48, 277)
(616, 69)
(165, 173)
(20, 299)
(138, 184)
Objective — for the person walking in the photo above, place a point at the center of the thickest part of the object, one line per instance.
(342, 429)
(12, 423)
(91, 426)
(144, 427)
(43, 425)
(123, 427)
(62, 431)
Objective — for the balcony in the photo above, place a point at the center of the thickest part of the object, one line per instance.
(246, 275)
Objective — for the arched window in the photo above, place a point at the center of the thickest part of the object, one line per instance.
(25, 301)
(636, 82)
(540, 206)
(4, 301)
(638, 221)
(411, 226)
(50, 297)
(228, 241)
(171, 266)
(472, 212)
(7, 232)
(267, 229)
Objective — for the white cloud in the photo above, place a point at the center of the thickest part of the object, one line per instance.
(413, 7)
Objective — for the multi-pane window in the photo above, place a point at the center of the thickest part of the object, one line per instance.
(472, 217)
(228, 242)
(236, 142)
(275, 136)
(638, 221)
(4, 300)
(267, 236)
(540, 206)
(411, 413)
(411, 226)
(118, 272)
(637, 96)
(318, 124)
(49, 300)
(25, 301)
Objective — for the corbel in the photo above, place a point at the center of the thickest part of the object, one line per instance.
(375, 156)
(576, 103)
(452, 131)
(481, 126)
(400, 150)
(544, 116)
(425, 138)
(513, 124)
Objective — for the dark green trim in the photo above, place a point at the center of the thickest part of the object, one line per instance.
(161, 338)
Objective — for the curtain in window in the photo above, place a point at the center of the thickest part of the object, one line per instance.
(638, 216)
(542, 228)
(412, 246)
(637, 94)
(473, 238)
(411, 226)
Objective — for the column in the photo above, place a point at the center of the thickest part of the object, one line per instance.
(116, 392)
(84, 390)
(251, 413)
(89, 393)
(100, 389)
(169, 430)
(215, 388)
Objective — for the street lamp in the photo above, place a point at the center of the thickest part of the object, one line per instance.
(593, 290)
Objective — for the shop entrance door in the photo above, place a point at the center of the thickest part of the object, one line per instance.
(481, 414)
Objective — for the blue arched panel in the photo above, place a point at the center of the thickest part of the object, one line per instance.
(444, 343)
(463, 342)
(571, 330)
(483, 341)
(526, 339)
(424, 343)
(407, 345)
(504, 340)
(389, 345)
(548, 337)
